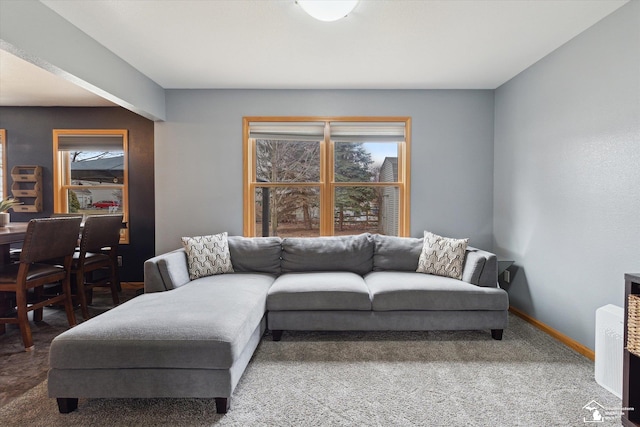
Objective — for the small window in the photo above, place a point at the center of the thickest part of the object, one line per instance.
(91, 173)
(3, 164)
(316, 177)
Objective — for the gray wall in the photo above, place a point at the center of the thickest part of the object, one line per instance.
(567, 175)
(198, 155)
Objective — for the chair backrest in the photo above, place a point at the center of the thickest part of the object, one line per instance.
(65, 215)
(50, 238)
(100, 231)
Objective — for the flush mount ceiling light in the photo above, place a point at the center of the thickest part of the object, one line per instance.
(327, 10)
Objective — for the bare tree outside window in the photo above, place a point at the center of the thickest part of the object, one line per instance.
(296, 208)
(294, 162)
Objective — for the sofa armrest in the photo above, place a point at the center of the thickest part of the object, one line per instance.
(480, 268)
(165, 272)
(489, 275)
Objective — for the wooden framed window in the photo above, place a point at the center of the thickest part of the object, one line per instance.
(322, 176)
(3, 164)
(90, 173)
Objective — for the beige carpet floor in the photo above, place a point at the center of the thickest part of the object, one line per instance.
(372, 379)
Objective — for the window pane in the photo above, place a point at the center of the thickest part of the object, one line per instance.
(363, 161)
(387, 168)
(356, 210)
(91, 171)
(287, 212)
(287, 161)
(97, 167)
(95, 201)
(389, 210)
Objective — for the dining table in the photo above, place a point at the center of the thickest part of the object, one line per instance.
(14, 232)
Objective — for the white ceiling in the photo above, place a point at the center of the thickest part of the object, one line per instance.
(273, 44)
(24, 84)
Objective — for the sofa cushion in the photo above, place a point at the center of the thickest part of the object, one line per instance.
(255, 254)
(207, 255)
(203, 325)
(403, 290)
(336, 253)
(319, 291)
(396, 253)
(442, 256)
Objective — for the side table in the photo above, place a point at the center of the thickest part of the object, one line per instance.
(503, 270)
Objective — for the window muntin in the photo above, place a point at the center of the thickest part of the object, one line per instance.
(360, 167)
(91, 173)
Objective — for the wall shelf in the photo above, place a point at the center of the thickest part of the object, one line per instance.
(27, 187)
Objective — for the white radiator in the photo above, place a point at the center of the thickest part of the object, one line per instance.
(609, 346)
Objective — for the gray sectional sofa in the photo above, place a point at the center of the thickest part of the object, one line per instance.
(194, 338)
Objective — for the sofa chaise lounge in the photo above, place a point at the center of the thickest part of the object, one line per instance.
(194, 337)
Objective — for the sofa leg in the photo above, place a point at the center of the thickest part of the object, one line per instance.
(277, 334)
(496, 334)
(222, 404)
(67, 404)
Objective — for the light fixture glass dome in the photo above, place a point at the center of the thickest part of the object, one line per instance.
(328, 10)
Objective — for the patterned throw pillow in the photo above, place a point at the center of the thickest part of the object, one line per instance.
(442, 256)
(207, 255)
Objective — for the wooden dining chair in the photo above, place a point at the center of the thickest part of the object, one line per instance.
(46, 240)
(98, 251)
(14, 253)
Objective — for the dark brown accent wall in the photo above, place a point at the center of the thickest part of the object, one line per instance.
(30, 142)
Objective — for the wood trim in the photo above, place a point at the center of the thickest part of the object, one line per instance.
(569, 342)
(366, 184)
(247, 199)
(3, 143)
(89, 131)
(124, 233)
(285, 184)
(405, 191)
(326, 177)
(132, 285)
(58, 179)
